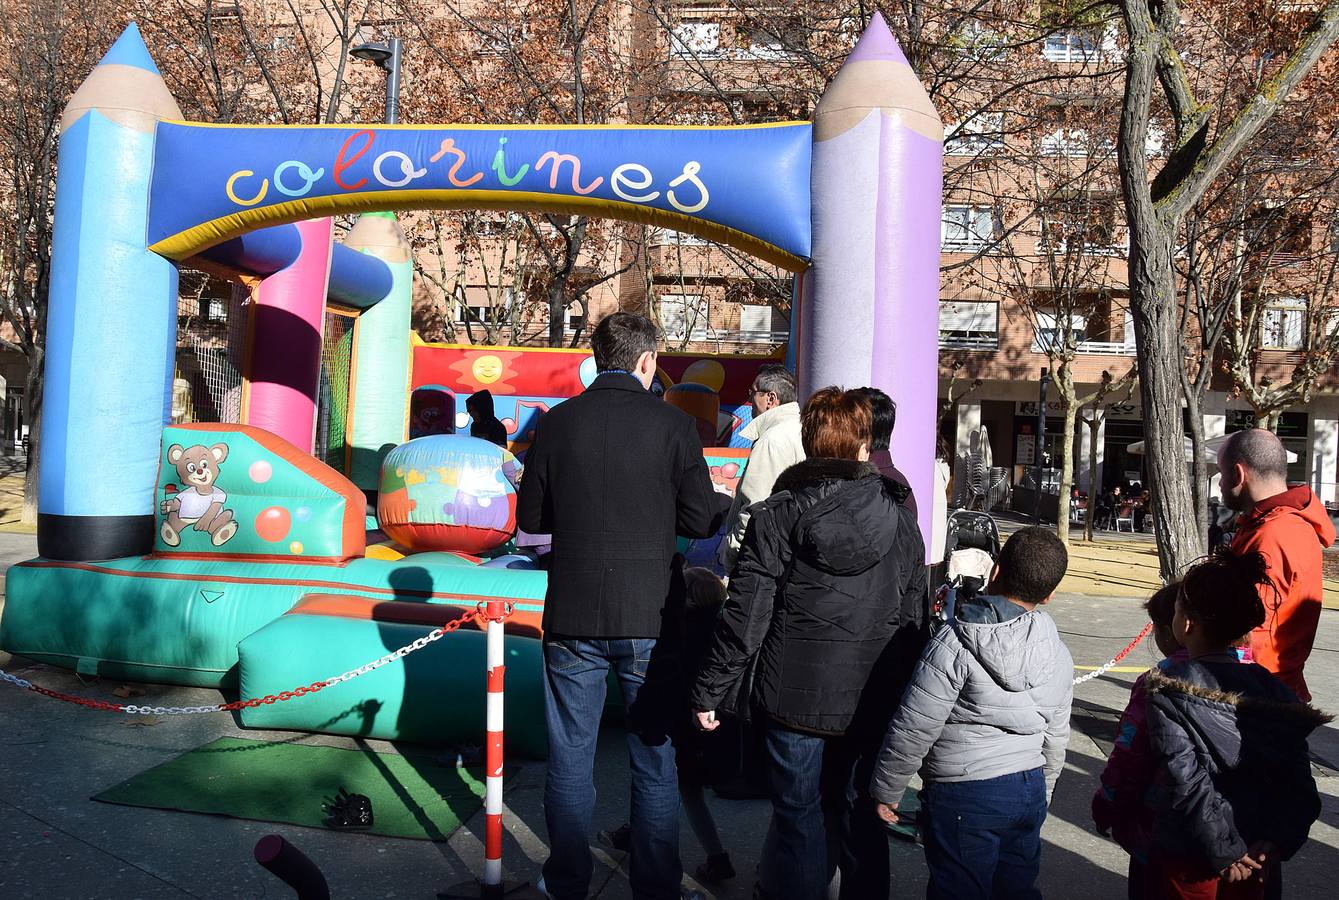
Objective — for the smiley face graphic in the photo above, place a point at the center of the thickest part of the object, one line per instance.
(487, 368)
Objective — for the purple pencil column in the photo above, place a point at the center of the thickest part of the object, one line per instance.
(872, 314)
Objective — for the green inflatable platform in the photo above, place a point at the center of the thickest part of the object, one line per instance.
(434, 695)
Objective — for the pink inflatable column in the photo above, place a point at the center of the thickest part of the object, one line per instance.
(286, 328)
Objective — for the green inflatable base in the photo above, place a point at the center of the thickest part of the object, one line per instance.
(179, 621)
(434, 695)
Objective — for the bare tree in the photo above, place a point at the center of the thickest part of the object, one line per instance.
(1203, 144)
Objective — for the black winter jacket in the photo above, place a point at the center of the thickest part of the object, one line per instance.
(614, 474)
(1230, 739)
(829, 589)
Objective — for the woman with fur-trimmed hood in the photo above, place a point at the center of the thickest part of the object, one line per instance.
(1234, 795)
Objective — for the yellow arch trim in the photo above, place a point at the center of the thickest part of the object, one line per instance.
(193, 240)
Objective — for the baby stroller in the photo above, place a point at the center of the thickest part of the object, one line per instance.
(971, 546)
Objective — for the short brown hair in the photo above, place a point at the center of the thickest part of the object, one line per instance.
(835, 423)
(620, 340)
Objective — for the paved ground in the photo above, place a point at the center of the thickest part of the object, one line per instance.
(57, 843)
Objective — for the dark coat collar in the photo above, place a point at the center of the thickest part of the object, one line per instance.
(616, 381)
(816, 470)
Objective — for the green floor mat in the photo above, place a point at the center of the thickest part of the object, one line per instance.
(412, 796)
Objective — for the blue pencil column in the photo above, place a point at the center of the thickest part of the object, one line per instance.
(111, 318)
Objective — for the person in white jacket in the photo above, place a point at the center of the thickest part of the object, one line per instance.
(775, 432)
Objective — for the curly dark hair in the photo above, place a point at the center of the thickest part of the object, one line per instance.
(1222, 594)
(1031, 565)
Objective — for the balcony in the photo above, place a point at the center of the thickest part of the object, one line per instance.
(1109, 348)
(975, 342)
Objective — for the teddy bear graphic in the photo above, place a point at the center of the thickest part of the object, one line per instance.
(199, 503)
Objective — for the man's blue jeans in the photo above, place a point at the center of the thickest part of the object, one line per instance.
(575, 675)
(823, 817)
(983, 838)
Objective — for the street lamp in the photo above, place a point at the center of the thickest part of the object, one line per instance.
(386, 55)
(1041, 440)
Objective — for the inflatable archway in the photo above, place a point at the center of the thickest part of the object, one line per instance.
(852, 201)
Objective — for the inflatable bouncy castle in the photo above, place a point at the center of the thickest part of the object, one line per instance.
(227, 555)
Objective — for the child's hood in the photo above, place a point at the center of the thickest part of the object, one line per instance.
(1232, 722)
(1020, 654)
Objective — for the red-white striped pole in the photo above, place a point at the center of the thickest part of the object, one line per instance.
(492, 880)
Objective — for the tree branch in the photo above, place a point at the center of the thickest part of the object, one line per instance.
(1188, 189)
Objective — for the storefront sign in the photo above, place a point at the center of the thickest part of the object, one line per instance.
(1027, 443)
(1128, 410)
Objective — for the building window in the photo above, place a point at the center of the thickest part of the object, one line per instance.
(1074, 45)
(1283, 324)
(684, 317)
(571, 315)
(666, 237)
(777, 39)
(980, 42)
(968, 227)
(1084, 224)
(980, 133)
(502, 38)
(214, 309)
(969, 324)
(696, 39)
(1050, 336)
(1276, 235)
(755, 324)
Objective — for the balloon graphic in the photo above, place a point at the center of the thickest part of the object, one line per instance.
(260, 471)
(587, 371)
(706, 372)
(273, 523)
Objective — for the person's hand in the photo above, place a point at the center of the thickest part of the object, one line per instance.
(1263, 852)
(887, 812)
(1241, 869)
(706, 721)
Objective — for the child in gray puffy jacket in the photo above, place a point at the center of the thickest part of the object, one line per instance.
(985, 720)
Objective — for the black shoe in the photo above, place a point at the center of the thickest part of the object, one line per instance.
(619, 839)
(716, 869)
(760, 894)
(348, 812)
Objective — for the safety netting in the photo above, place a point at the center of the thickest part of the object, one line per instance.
(211, 343)
(332, 404)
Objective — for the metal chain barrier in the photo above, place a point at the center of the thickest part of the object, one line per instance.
(1115, 660)
(478, 615)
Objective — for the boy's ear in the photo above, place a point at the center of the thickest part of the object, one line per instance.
(994, 573)
(1049, 598)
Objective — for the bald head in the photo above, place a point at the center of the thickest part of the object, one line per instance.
(1254, 467)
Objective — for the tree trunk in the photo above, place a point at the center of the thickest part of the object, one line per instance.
(1200, 467)
(1153, 302)
(1094, 425)
(33, 396)
(1065, 380)
(1268, 419)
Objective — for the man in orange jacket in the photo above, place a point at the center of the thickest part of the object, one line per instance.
(1291, 527)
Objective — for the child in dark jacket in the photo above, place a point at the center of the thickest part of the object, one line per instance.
(1235, 795)
(703, 759)
(1122, 805)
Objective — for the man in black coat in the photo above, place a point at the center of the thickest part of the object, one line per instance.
(613, 474)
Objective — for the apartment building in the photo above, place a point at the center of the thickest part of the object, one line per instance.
(1033, 243)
